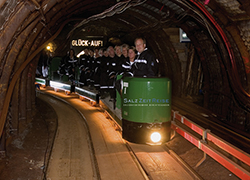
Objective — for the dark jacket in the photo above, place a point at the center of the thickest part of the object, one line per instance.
(145, 65)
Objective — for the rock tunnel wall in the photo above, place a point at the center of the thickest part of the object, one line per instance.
(217, 59)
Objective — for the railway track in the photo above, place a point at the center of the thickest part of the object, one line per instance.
(154, 162)
(72, 154)
(198, 162)
(148, 161)
(123, 159)
(183, 152)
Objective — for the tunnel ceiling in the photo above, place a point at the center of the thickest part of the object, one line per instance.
(219, 31)
(206, 22)
(120, 18)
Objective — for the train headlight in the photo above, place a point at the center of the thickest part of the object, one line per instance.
(155, 137)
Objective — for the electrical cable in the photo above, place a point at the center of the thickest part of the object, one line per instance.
(116, 9)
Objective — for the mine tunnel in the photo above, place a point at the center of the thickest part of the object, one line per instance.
(209, 66)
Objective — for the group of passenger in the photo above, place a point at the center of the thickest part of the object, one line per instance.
(68, 65)
(99, 68)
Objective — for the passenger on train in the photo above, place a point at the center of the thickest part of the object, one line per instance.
(63, 67)
(126, 67)
(104, 70)
(131, 54)
(120, 58)
(145, 64)
(72, 63)
(118, 50)
(113, 66)
(142, 64)
(97, 70)
(125, 48)
(96, 52)
(127, 64)
(83, 59)
(94, 63)
(90, 72)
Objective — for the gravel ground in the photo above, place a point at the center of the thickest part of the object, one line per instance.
(28, 152)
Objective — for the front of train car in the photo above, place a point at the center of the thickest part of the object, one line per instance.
(146, 110)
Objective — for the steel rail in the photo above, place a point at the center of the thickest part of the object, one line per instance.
(113, 119)
(236, 152)
(94, 163)
(131, 152)
(216, 155)
(146, 175)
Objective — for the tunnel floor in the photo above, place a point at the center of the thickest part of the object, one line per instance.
(28, 152)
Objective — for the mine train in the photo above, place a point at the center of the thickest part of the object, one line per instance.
(146, 110)
(145, 105)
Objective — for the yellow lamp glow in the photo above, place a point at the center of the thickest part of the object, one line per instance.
(48, 47)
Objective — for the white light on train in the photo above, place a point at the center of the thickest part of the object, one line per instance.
(155, 137)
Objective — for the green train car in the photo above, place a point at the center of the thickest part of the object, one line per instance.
(146, 110)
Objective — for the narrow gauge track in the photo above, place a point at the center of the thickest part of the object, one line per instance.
(113, 161)
(118, 159)
(72, 153)
(158, 162)
(189, 156)
(207, 120)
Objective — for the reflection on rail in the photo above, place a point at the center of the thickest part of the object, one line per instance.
(202, 144)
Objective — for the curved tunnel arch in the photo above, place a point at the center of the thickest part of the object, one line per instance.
(28, 26)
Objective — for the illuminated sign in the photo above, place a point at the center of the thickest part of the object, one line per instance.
(81, 42)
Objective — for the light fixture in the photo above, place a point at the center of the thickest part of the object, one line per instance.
(51, 47)
(155, 137)
(48, 47)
